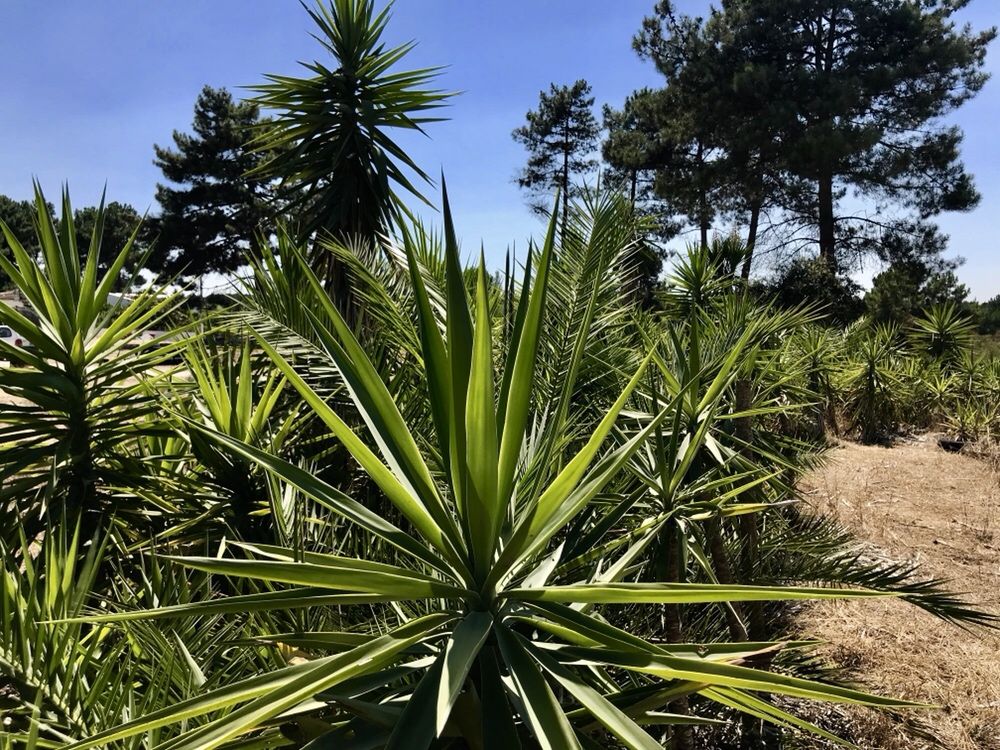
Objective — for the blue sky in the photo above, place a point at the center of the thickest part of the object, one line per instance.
(90, 87)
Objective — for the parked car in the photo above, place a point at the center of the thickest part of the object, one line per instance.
(9, 336)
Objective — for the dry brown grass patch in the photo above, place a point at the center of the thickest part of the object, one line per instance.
(916, 502)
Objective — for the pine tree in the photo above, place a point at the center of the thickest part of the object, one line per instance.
(213, 211)
(822, 98)
(630, 156)
(871, 80)
(686, 151)
(633, 150)
(561, 137)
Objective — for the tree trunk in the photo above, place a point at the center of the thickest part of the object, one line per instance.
(668, 563)
(724, 573)
(827, 229)
(702, 198)
(565, 177)
(743, 429)
(819, 414)
(336, 281)
(750, 545)
(755, 210)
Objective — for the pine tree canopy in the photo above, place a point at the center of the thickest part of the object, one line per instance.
(211, 210)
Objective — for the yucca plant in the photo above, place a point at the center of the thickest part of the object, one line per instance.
(940, 391)
(485, 645)
(77, 399)
(236, 398)
(943, 331)
(872, 387)
(339, 121)
(972, 419)
(63, 676)
(54, 670)
(820, 350)
(733, 354)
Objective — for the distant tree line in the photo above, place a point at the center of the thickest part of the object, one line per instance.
(813, 125)
(120, 222)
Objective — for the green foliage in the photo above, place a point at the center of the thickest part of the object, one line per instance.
(63, 672)
(789, 106)
(19, 216)
(212, 210)
(987, 315)
(873, 384)
(337, 164)
(935, 376)
(626, 152)
(488, 565)
(240, 400)
(905, 288)
(811, 280)
(519, 496)
(119, 222)
(943, 331)
(560, 137)
(425, 506)
(75, 397)
(673, 133)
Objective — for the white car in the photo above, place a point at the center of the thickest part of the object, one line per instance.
(8, 335)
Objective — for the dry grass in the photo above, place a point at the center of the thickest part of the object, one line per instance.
(917, 502)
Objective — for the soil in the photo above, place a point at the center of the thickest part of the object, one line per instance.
(5, 399)
(915, 501)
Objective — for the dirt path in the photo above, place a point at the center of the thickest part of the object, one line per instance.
(916, 502)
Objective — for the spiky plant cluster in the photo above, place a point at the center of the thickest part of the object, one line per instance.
(885, 379)
(388, 499)
(488, 512)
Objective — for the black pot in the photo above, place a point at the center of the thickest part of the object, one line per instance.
(952, 446)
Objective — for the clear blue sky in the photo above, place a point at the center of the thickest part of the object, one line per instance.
(88, 88)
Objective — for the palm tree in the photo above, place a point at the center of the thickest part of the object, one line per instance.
(338, 167)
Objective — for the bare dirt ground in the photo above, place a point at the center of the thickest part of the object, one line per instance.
(6, 399)
(917, 502)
